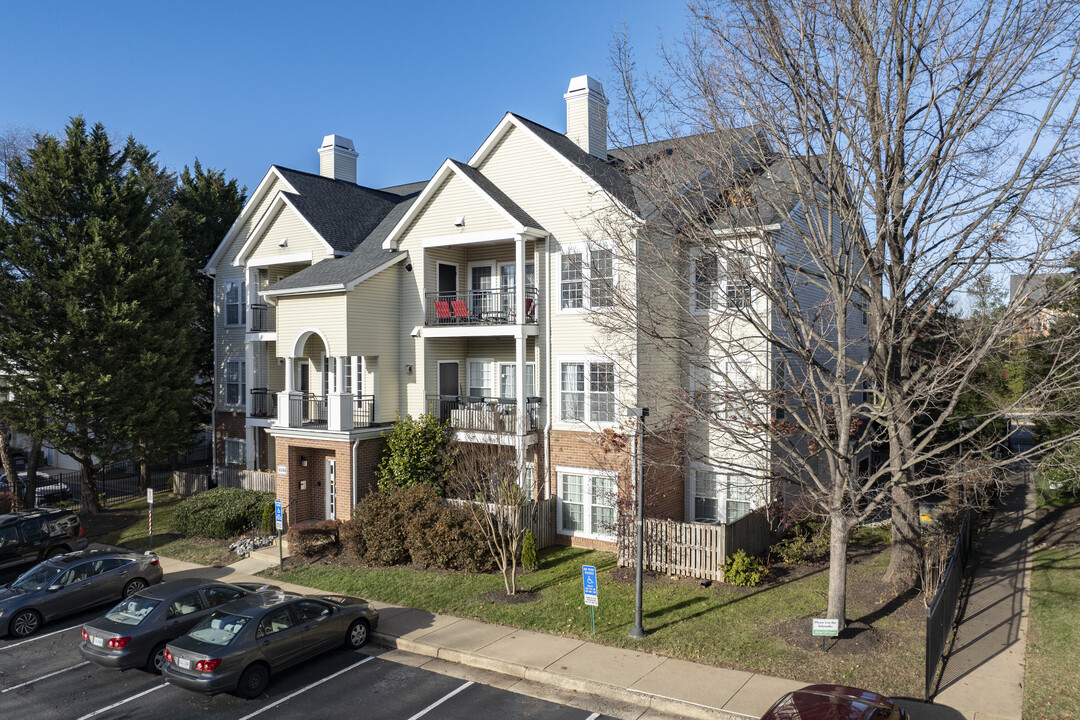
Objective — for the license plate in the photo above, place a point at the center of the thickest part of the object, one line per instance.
(97, 640)
(184, 663)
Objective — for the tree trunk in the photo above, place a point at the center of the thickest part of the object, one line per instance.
(91, 501)
(838, 543)
(905, 558)
(6, 461)
(30, 489)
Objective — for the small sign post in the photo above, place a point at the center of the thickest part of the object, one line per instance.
(150, 514)
(280, 524)
(592, 597)
(826, 627)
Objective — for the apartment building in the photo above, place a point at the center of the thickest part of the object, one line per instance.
(340, 308)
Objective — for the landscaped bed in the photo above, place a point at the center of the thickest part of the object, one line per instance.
(765, 629)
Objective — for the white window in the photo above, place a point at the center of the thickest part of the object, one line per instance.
(235, 382)
(587, 279)
(587, 391)
(325, 375)
(481, 378)
(712, 288)
(349, 374)
(587, 503)
(721, 498)
(234, 304)
(572, 281)
(234, 453)
(739, 387)
(508, 380)
(601, 278)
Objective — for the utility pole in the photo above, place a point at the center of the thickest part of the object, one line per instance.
(639, 413)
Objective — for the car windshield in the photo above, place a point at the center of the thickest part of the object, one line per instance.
(36, 578)
(132, 611)
(219, 628)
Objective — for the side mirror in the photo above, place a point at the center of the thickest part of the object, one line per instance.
(54, 588)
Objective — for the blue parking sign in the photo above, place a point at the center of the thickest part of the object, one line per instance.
(588, 577)
(278, 514)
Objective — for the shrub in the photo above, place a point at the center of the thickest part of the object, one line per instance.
(7, 502)
(451, 542)
(383, 530)
(351, 534)
(807, 542)
(221, 512)
(529, 560)
(309, 541)
(269, 520)
(415, 454)
(743, 570)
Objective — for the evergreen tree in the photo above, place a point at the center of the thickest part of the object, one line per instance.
(95, 328)
(203, 209)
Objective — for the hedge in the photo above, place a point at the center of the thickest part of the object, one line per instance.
(222, 512)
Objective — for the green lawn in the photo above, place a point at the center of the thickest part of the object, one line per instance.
(721, 625)
(166, 541)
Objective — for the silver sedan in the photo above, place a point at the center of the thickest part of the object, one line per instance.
(241, 644)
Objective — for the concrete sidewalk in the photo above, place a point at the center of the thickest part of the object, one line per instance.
(984, 671)
(632, 685)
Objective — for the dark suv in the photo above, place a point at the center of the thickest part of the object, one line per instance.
(30, 536)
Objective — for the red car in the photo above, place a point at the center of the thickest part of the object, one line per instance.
(834, 702)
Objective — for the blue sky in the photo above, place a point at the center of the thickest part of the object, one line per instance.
(245, 85)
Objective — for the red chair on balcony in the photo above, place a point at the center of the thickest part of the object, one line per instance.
(530, 310)
(442, 309)
(461, 312)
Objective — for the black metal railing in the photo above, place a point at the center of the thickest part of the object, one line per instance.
(363, 410)
(307, 410)
(263, 403)
(941, 613)
(260, 318)
(479, 307)
(484, 414)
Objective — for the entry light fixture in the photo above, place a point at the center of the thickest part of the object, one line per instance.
(460, 222)
(303, 461)
(284, 242)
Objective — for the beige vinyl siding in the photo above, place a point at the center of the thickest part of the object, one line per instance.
(456, 198)
(375, 329)
(444, 349)
(301, 313)
(286, 224)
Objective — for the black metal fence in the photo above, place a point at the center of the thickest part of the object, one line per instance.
(120, 482)
(941, 613)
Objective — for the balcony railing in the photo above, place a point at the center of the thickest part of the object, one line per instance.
(260, 318)
(364, 411)
(308, 411)
(479, 307)
(484, 414)
(263, 403)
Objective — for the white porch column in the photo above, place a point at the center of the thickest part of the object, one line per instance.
(519, 279)
(339, 406)
(284, 405)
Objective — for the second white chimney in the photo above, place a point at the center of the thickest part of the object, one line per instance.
(586, 115)
(337, 158)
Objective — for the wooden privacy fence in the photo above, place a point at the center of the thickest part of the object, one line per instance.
(246, 479)
(186, 484)
(543, 519)
(691, 549)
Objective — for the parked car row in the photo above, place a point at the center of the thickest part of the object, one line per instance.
(204, 635)
(47, 491)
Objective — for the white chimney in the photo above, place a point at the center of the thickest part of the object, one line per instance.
(586, 115)
(337, 158)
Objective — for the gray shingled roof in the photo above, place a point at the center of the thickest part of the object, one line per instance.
(606, 174)
(344, 214)
(492, 191)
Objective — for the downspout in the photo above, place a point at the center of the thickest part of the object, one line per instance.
(355, 445)
(547, 345)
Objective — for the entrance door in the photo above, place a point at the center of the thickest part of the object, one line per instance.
(447, 278)
(448, 388)
(303, 384)
(481, 286)
(331, 495)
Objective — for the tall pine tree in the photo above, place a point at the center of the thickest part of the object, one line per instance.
(95, 327)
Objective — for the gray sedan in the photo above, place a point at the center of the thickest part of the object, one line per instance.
(237, 647)
(134, 633)
(71, 583)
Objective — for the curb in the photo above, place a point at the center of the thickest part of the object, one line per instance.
(643, 700)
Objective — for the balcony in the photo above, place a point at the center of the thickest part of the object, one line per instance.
(484, 414)
(308, 411)
(263, 403)
(260, 318)
(364, 411)
(479, 307)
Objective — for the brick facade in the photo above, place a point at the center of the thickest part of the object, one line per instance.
(310, 503)
(227, 425)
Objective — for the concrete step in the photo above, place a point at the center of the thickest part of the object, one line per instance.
(270, 552)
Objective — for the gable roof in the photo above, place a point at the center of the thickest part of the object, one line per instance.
(493, 192)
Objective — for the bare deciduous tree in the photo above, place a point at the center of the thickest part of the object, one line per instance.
(485, 477)
(840, 174)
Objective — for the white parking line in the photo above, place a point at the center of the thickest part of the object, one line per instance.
(440, 701)
(593, 716)
(31, 682)
(39, 637)
(304, 689)
(121, 702)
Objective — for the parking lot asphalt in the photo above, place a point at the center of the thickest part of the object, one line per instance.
(44, 678)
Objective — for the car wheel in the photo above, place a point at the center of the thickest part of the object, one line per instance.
(134, 586)
(26, 622)
(253, 681)
(357, 635)
(156, 662)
